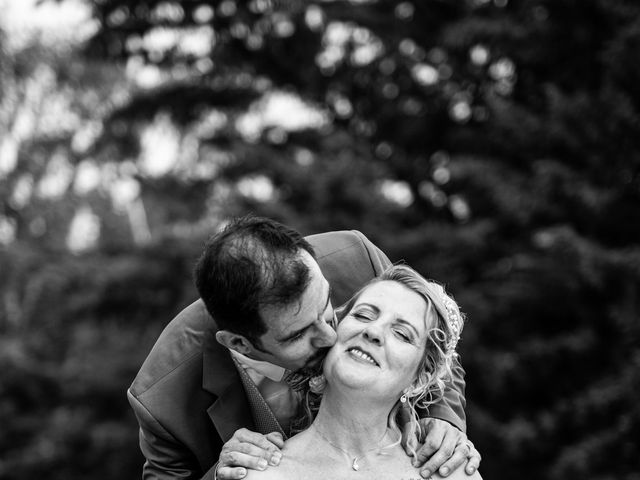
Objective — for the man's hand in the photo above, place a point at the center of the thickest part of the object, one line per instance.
(247, 449)
(443, 449)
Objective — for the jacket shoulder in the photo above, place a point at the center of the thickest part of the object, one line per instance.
(331, 243)
(348, 260)
(179, 347)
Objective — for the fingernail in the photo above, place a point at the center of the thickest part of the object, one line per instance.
(425, 473)
(471, 470)
(275, 458)
(242, 473)
(444, 471)
(262, 464)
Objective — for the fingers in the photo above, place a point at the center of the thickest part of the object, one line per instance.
(229, 473)
(460, 454)
(474, 460)
(269, 444)
(228, 456)
(249, 450)
(432, 443)
(276, 439)
(238, 459)
(442, 449)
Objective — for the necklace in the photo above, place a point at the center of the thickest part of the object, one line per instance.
(354, 463)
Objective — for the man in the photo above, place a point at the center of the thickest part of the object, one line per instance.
(212, 387)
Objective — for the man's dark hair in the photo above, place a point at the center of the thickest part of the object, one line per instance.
(252, 263)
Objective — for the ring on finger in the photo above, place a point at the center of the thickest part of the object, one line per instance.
(469, 446)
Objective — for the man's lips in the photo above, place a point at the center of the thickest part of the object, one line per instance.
(362, 355)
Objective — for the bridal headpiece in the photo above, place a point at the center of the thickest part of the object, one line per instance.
(454, 320)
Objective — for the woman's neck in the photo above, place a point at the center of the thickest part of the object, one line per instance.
(353, 425)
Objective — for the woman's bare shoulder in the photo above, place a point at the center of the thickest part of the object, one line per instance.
(271, 473)
(288, 469)
(295, 457)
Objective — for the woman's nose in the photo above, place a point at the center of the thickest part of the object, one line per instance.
(373, 334)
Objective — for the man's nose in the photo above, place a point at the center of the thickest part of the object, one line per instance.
(326, 336)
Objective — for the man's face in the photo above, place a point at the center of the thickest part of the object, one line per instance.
(298, 335)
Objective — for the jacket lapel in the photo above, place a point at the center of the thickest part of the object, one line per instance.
(231, 410)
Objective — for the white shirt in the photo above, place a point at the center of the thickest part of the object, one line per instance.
(268, 377)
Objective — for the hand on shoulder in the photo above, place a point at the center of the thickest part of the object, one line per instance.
(458, 474)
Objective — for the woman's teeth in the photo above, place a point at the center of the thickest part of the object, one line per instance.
(364, 356)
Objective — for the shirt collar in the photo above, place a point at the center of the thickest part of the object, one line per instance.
(269, 370)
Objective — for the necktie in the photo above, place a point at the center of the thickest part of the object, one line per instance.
(263, 417)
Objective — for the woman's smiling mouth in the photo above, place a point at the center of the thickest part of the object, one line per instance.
(361, 355)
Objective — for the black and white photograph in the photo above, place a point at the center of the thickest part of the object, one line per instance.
(320, 240)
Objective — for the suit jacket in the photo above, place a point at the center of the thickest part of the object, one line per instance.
(188, 397)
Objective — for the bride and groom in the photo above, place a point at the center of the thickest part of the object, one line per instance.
(212, 398)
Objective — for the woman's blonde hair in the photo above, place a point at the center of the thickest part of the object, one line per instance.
(435, 367)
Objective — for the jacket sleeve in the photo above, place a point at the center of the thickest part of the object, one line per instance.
(166, 458)
(348, 260)
(379, 260)
(451, 406)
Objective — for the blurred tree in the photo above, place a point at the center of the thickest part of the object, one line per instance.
(492, 144)
(73, 336)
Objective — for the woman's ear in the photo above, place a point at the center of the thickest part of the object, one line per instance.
(234, 341)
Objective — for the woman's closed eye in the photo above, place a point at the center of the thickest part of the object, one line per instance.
(403, 334)
(363, 314)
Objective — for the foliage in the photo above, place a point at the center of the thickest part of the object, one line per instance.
(492, 145)
(75, 331)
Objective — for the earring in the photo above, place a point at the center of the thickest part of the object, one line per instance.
(403, 398)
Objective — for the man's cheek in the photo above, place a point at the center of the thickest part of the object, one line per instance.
(294, 355)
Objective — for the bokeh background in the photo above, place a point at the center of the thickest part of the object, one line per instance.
(492, 144)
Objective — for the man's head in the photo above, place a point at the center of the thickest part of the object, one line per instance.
(260, 282)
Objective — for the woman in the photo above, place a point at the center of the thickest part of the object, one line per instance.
(396, 339)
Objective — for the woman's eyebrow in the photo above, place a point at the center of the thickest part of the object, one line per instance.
(409, 325)
(368, 305)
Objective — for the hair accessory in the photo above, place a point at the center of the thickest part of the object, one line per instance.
(403, 398)
(454, 320)
(317, 383)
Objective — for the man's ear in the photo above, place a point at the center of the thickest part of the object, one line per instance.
(234, 341)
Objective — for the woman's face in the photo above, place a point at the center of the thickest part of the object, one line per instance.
(381, 341)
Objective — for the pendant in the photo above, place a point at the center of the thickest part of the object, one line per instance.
(355, 465)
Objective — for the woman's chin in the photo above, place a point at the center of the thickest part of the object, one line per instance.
(351, 372)
(360, 377)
